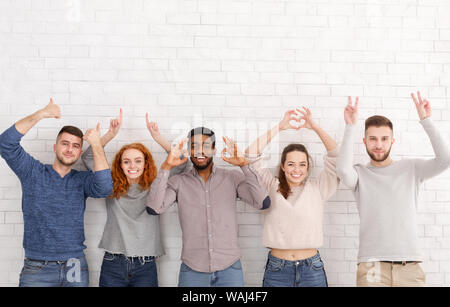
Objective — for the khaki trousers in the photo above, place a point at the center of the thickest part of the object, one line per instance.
(382, 274)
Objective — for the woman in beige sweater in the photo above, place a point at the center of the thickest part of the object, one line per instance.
(292, 227)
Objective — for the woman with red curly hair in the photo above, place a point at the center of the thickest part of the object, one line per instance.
(131, 238)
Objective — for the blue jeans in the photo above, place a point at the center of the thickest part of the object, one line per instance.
(302, 273)
(121, 271)
(39, 273)
(230, 277)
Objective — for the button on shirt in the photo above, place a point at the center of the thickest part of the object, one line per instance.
(207, 212)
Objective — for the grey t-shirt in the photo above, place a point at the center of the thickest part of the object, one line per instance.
(129, 229)
(387, 198)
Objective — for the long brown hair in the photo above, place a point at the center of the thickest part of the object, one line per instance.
(284, 187)
(120, 182)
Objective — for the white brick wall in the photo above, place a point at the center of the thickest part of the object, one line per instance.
(232, 65)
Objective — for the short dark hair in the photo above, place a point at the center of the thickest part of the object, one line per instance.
(71, 130)
(202, 131)
(378, 121)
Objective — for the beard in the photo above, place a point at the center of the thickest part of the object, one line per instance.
(60, 159)
(202, 167)
(383, 158)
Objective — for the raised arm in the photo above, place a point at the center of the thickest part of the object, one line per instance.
(10, 149)
(51, 110)
(327, 180)
(156, 134)
(429, 168)
(92, 136)
(345, 170)
(114, 128)
(326, 139)
(163, 192)
(249, 186)
(257, 147)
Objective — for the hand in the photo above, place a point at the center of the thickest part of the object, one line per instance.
(351, 112)
(423, 106)
(152, 128)
(177, 155)
(115, 124)
(51, 110)
(92, 136)
(285, 123)
(307, 117)
(235, 157)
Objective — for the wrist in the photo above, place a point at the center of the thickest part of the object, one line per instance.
(244, 163)
(41, 114)
(315, 127)
(95, 143)
(166, 166)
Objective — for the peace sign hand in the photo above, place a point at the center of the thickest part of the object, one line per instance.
(422, 105)
(351, 112)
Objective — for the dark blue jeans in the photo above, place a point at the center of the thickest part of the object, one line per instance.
(301, 273)
(41, 273)
(121, 271)
(229, 277)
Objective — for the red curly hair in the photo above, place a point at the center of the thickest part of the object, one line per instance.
(120, 182)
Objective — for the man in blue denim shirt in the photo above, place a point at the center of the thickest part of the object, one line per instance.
(54, 200)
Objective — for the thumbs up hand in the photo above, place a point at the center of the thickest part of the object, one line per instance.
(51, 110)
(92, 136)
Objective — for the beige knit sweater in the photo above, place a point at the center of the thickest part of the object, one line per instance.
(297, 222)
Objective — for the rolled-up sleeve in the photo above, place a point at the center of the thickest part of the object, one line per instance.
(250, 188)
(98, 184)
(163, 192)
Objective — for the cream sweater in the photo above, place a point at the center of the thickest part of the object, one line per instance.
(297, 222)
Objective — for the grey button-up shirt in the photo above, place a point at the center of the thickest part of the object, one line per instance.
(207, 212)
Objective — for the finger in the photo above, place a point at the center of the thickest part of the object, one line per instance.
(182, 143)
(51, 101)
(98, 128)
(289, 112)
(304, 114)
(356, 103)
(349, 101)
(420, 97)
(414, 99)
(146, 118)
(120, 116)
(226, 156)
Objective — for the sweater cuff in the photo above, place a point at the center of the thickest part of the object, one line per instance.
(103, 174)
(333, 153)
(426, 122)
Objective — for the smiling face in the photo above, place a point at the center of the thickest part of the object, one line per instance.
(379, 142)
(68, 149)
(133, 164)
(202, 151)
(295, 167)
